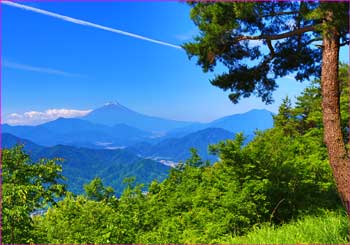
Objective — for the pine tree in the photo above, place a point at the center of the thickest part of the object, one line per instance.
(301, 37)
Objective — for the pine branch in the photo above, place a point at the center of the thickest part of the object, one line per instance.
(277, 36)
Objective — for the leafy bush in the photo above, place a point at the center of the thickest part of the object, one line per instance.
(78, 220)
(26, 187)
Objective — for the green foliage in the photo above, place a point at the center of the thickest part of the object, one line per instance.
(228, 30)
(196, 204)
(131, 219)
(324, 228)
(78, 220)
(297, 170)
(97, 192)
(26, 187)
(93, 218)
(344, 100)
(308, 109)
(268, 191)
(286, 118)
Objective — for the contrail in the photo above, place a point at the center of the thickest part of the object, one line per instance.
(24, 67)
(86, 23)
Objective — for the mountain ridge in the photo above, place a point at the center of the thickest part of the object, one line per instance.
(75, 131)
(246, 123)
(119, 134)
(81, 164)
(178, 149)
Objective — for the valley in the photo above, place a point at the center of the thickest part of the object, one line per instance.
(114, 143)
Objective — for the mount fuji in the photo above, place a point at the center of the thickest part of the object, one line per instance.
(115, 113)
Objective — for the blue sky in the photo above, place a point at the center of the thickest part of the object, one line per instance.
(53, 64)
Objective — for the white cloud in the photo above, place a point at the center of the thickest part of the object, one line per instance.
(46, 70)
(86, 23)
(38, 117)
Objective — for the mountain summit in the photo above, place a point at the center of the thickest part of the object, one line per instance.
(115, 105)
(115, 113)
(111, 103)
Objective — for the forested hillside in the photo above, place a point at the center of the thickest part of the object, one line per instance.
(81, 165)
(281, 176)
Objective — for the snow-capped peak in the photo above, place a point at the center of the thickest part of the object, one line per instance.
(115, 103)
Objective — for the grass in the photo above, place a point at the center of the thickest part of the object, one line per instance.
(329, 227)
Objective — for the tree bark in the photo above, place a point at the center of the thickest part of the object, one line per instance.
(12, 235)
(338, 156)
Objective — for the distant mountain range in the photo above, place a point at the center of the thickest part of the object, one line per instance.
(115, 126)
(81, 165)
(246, 123)
(114, 142)
(78, 132)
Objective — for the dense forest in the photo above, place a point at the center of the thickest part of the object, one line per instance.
(278, 188)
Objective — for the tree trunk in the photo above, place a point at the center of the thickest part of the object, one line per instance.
(338, 157)
(12, 235)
